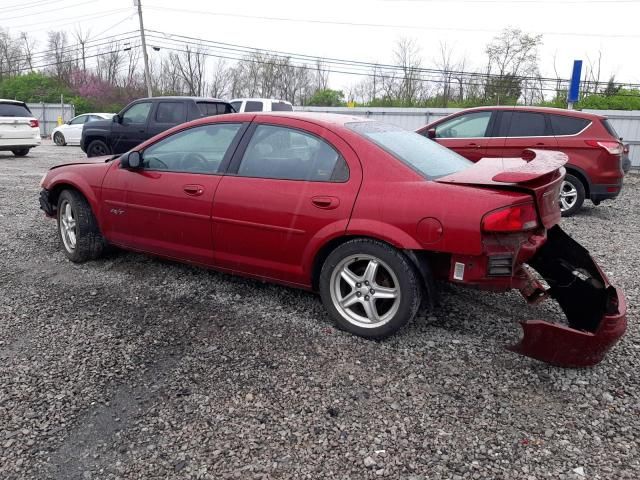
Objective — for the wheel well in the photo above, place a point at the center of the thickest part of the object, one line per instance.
(55, 192)
(582, 178)
(91, 138)
(418, 259)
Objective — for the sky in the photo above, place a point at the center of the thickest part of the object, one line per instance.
(364, 30)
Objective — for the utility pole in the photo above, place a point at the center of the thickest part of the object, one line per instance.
(147, 76)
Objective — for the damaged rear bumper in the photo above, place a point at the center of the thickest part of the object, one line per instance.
(596, 310)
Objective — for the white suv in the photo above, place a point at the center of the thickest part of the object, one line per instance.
(19, 129)
(260, 105)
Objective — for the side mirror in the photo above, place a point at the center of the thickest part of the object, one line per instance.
(68, 123)
(431, 133)
(116, 118)
(131, 160)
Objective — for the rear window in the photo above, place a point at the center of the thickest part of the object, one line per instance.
(522, 124)
(563, 125)
(253, 106)
(610, 129)
(209, 109)
(14, 110)
(281, 107)
(425, 156)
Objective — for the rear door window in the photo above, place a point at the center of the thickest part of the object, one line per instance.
(286, 154)
(523, 124)
(236, 106)
(209, 109)
(14, 110)
(563, 125)
(171, 112)
(281, 107)
(253, 106)
(469, 125)
(610, 129)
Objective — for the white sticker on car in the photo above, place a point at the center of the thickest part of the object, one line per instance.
(458, 271)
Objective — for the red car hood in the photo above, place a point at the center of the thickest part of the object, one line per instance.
(540, 174)
(88, 160)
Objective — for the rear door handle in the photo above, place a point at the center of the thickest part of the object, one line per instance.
(325, 202)
(193, 190)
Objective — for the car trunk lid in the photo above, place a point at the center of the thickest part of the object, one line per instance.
(540, 174)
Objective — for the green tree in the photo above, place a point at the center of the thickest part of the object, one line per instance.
(327, 98)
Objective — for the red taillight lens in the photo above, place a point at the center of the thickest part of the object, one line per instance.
(614, 148)
(34, 123)
(515, 218)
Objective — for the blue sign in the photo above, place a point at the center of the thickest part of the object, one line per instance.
(574, 88)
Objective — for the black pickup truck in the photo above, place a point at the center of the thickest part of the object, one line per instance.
(144, 118)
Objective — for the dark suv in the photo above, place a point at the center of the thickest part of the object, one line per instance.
(144, 118)
(594, 169)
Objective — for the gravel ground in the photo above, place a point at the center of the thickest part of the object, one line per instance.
(132, 367)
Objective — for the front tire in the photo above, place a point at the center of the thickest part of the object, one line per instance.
(370, 288)
(58, 139)
(78, 228)
(98, 148)
(572, 195)
(22, 152)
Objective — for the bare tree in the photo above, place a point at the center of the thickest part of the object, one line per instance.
(82, 38)
(512, 60)
(191, 65)
(407, 57)
(109, 63)
(221, 79)
(62, 60)
(27, 47)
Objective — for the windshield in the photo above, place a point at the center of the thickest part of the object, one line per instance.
(423, 155)
(14, 110)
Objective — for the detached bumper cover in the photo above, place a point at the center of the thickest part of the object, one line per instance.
(45, 203)
(596, 310)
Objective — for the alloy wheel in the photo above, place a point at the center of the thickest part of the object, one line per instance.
(68, 226)
(568, 196)
(365, 291)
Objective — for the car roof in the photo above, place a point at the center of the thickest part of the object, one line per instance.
(17, 102)
(179, 97)
(523, 108)
(258, 99)
(336, 119)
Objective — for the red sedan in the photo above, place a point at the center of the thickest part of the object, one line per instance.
(365, 213)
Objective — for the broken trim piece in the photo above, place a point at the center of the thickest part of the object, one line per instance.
(596, 310)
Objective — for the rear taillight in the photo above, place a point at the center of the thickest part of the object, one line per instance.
(34, 123)
(614, 148)
(515, 218)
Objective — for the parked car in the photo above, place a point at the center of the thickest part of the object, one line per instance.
(19, 129)
(594, 149)
(626, 161)
(365, 213)
(71, 131)
(144, 118)
(261, 105)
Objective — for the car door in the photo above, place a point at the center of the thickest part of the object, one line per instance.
(131, 129)
(166, 115)
(165, 206)
(522, 130)
(74, 129)
(466, 133)
(291, 185)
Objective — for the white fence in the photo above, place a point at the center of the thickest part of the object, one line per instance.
(48, 113)
(626, 123)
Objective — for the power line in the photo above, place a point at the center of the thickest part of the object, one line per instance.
(30, 14)
(378, 25)
(106, 13)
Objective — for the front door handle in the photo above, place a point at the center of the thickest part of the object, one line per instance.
(474, 145)
(325, 202)
(193, 190)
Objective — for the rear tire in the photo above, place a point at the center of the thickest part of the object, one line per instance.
(22, 152)
(572, 195)
(98, 148)
(370, 288)
(78, 228)
(58, 139)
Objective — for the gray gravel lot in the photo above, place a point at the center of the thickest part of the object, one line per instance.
(133, 367)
